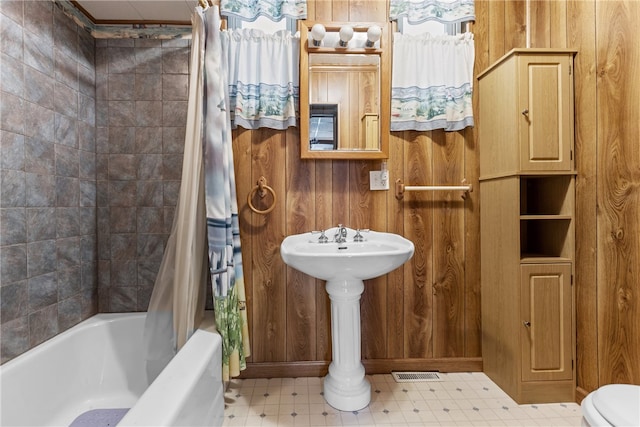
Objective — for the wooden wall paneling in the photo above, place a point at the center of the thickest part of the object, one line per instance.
(471, 228)
(418, 219)
(514, 25)
(373, 315)
(480, 29)
(448, 246)
(395, 279)
(340, 198)
(558, 25)
(368, 10)
(362, 208)
(618, 191)
(320, 10)
(340, 10)
(369, 212)
(539, 21)
(311, 10)
(324, 193)
(242, 168)
(548, 23)
(497, 33)
(299, 201)
(323, 220)
(269, 278)
(583, 38)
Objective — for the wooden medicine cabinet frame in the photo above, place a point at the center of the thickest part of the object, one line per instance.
(383, 51)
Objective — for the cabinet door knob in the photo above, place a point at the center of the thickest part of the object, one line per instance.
(526, 323)
(525, 112)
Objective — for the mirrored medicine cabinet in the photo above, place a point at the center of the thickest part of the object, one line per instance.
(344, 90)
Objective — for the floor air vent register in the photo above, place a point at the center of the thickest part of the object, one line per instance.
(415, 377)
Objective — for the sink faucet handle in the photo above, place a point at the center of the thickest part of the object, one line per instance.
(323, 237)
(359, 237)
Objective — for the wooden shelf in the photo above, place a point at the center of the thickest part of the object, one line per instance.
(545, 217)
(542, 259)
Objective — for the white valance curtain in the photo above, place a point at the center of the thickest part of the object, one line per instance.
(264, 78)
(432, 82)
(249, 10)
(445, 11)
(432, 77)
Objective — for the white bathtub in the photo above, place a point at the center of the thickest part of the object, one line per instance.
(98, 365)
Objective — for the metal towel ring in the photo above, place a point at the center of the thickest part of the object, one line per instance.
(262, 188)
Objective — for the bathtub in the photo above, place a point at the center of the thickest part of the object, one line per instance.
(96, 371)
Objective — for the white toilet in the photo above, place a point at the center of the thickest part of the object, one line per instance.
(612, 405)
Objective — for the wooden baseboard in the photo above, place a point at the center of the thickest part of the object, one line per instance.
(372, 366)
(285, 369)
(580, 394)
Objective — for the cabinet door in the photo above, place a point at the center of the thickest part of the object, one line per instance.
(546, 112)
(546, 338)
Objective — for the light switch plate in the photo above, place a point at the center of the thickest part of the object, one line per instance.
(376, 181)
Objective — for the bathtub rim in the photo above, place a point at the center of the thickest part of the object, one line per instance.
(206, 334)
(88, 323)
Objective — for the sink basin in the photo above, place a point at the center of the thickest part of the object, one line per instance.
(378, 254)
(344, 265)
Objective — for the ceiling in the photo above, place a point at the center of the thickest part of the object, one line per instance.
(173, 12)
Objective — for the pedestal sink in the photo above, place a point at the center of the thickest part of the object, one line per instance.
(344, 258)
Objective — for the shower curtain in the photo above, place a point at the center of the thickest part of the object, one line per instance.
(178, 299)
(225, 258)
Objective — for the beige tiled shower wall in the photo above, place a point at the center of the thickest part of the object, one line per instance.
(141, 110)
(48, 238)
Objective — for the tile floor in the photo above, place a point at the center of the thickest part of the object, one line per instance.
(459, 399)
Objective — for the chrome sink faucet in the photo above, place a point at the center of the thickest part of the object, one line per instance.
(341, 234)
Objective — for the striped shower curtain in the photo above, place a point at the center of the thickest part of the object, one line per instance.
(225, 258)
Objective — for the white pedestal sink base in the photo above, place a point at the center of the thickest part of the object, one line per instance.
(345, 387)
(346, 397)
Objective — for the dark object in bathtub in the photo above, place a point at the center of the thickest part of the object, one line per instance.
(100, 417)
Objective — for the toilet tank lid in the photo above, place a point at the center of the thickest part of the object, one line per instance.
(619, 404)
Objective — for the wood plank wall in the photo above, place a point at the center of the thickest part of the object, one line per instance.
(426, 315)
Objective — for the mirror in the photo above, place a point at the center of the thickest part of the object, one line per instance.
(344, 95)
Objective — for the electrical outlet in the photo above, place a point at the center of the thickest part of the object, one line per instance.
(377, 180)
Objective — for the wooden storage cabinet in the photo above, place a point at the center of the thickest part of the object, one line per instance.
(527, 229)
(526, 98)
(545, 305)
